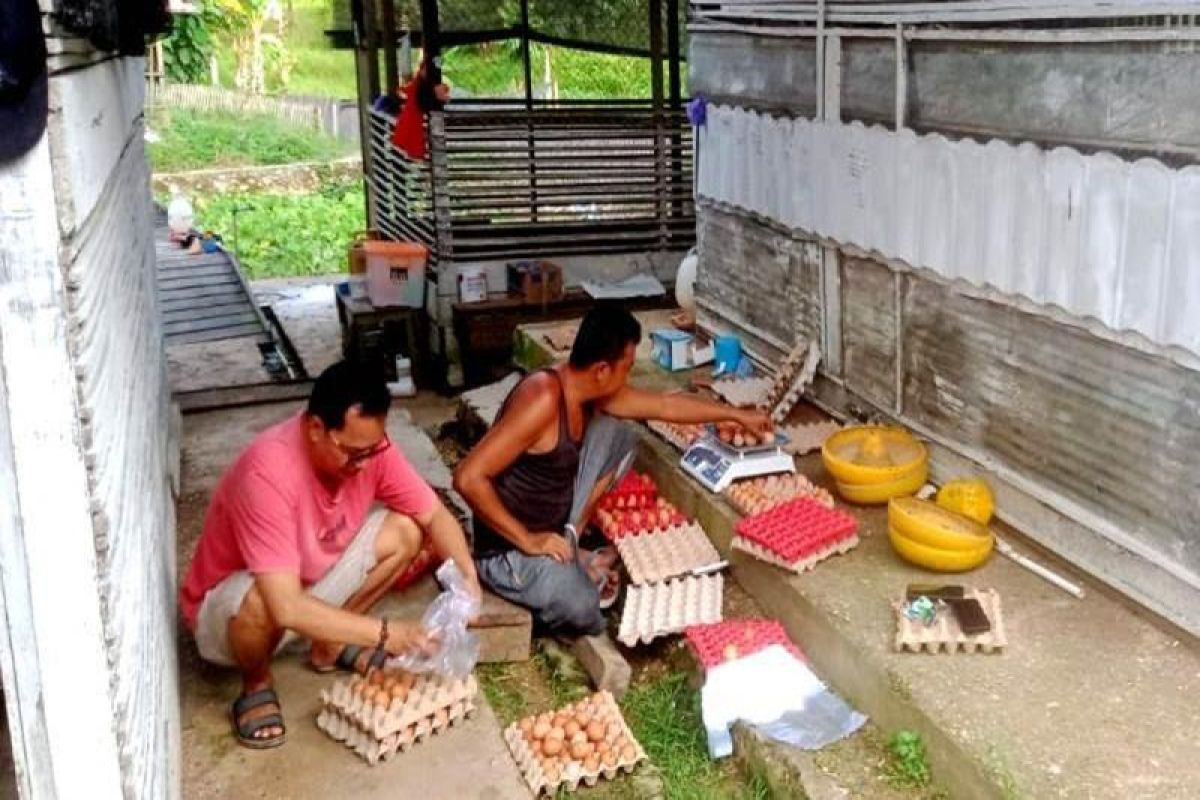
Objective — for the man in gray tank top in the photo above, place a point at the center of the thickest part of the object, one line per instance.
(558, 444)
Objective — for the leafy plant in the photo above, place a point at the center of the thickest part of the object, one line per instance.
(908, 767)
(187, 50)
(286, 235)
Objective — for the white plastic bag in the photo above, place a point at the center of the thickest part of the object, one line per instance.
(446, 619)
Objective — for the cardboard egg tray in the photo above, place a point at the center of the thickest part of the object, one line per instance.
(744, 392)
(797, 535)
(680, 436)
(659, 609)
(785, 373)
(571, 773)
(807, 438)
(617, 524)
(782, 403)
(678, 550)
(719, 642)
(376, 731)
(635, 491)
(756, 495)
(945, 635)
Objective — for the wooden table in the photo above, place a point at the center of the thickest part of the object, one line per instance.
(373, 335)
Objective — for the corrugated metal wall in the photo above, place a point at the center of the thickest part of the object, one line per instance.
(1093, 235)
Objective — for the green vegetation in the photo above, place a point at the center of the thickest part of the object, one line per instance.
(204, 139)
(908, 767)
(284, 235)
(664, 714)
(494, 70)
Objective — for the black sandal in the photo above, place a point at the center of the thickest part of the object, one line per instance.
(347, 660)
(245, 730)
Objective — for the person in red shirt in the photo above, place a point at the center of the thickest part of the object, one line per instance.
(424, 93)
(307, 529)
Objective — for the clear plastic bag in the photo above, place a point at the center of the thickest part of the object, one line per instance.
(446, 619)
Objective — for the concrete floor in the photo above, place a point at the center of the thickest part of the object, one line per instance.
(469, 761)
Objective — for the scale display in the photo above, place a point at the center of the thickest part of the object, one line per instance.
(716, 465)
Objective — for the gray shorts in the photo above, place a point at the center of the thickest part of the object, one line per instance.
(335, 587)
(562, 598)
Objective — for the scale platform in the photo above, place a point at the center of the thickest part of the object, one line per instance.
(716, 464)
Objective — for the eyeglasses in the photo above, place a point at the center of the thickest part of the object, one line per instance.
(357, 455)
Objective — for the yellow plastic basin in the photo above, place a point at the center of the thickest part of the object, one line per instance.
(971, 497)
(874, 494)
(937, 560)
(931, 525)
(871, 454)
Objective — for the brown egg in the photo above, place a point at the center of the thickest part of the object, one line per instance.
(592, 763)
(628, 753)
(580, 750)
(399, 692)
(547, 718)
(620, 743)
(583, 719)
(547, 763)
(375, 678)
(560, 719)
(553, 773)
(368, 694)
(382, 698)
(389, 681)
(596, 731)
(552, 747)
(580, 737)
(571, 728)
(536, 746)
(612, 733)
(603, 747)
(407, 680)
(556, 733)
(540, 729)
(609, 758)
(526, 726)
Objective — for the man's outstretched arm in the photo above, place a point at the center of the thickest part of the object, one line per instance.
(631, 403)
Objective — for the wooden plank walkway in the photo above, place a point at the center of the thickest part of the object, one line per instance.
(204, 297)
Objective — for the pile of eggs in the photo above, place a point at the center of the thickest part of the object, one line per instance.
(382, 687)
(733, 434)
(615, 523)
(590, 733)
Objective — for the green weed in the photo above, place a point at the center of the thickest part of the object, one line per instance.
(203, 139)
(285, 235)
(907, 767)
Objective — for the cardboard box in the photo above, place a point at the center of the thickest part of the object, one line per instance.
(537, 282)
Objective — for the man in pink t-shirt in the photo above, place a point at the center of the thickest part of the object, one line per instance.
(293, 544)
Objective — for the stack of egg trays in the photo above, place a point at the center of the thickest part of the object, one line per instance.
(744, 392)
(658, 556)
(756, 495)
(574, 774)
(796, 535)
(376, 731)
(660, 609)
(720, 642)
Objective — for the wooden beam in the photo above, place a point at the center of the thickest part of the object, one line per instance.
(391, 68)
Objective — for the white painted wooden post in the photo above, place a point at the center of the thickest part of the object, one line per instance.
(55, 670)
(831, 278)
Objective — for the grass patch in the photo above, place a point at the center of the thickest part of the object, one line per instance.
(494, 70)
(317, 68)
(907, 767)
(203, 139)
(287, 235)
(502, 689)
(664, 714)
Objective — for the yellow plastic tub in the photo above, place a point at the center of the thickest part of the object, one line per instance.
(874, 494)
(935, 559)
(971, 497)
(872, 454)
(931, 525)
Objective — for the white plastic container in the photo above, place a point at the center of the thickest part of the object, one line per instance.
(472, 285)
(395, 273)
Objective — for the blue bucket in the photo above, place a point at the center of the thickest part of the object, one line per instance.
(727, 353)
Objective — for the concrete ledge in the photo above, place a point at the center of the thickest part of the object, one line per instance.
(1040, 720)
(788, 771)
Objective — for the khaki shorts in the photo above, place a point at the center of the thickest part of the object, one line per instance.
(335, 587)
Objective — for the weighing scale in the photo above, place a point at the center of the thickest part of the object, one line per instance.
(717, 464)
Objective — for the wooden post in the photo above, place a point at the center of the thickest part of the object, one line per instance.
(656, 101)
(391, 69)
(527, 62)
(901, 78)
(359, 10)
(675, 91)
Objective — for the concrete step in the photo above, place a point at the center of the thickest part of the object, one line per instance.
(1091, 699)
